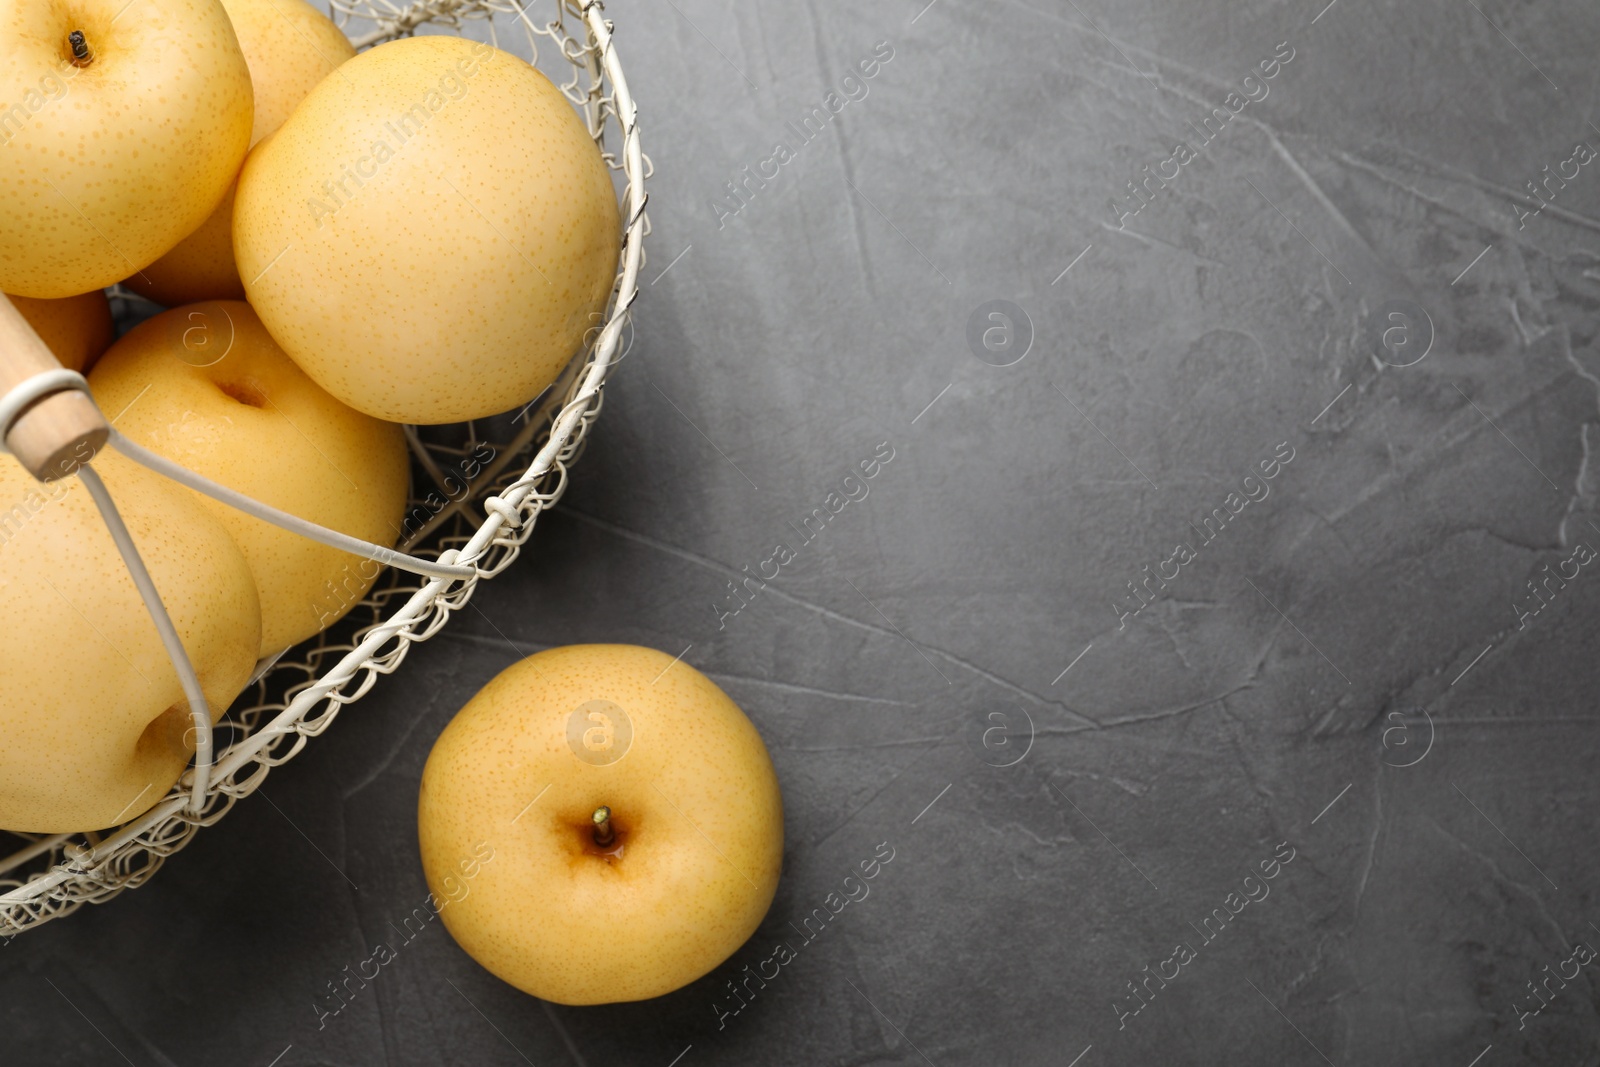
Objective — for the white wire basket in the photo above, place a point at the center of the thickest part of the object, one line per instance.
(490, 479)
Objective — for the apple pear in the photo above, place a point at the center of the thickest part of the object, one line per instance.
(631, 816)
(94, 726)
(289, 46)
(120, 131)
(431, 234)
(207, 387)
(76, 328)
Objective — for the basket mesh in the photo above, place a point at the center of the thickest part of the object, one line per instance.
(517, 465)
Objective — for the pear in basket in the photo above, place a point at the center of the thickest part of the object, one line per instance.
(119, 134)
(76, 329)
(206, 386)
(290, 46)
(94, 727)
(431, 233)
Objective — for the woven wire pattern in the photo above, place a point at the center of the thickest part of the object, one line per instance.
(483, 518)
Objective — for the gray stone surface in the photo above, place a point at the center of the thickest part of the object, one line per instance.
(1341, 668)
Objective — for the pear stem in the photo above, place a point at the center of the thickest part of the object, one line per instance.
(603, 834)
(81, 55)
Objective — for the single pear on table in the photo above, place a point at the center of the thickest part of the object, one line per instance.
(94, 725)
(121, 128)
(206, 386)
(289, 46)
(631, 815)
(431, 234)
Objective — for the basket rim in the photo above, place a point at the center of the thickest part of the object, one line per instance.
(509, 518)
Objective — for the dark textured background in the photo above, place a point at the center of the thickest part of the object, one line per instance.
(1308, 653)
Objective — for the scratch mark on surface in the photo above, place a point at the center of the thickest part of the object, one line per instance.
(1501, 877)
(1152, 242)
(1528, 333)
(808, 690)
(1372, 845)
(1129, 720)
(1317, 192)
(789, 598)
(566, 1039)
(868, 803)
(857, 224)
(906, 743)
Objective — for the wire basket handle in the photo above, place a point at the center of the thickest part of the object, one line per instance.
(46, 417)
(51, 424)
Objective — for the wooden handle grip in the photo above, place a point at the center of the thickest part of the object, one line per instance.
(55, 433)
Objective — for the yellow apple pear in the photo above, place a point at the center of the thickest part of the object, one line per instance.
(289, 46)
(619, 819)
(76, 328)
(207, 387)
(120, 131)
(94, 726)
(431, 234)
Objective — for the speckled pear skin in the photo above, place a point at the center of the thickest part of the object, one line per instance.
(94, 727)
(253, 421)
(105, 167)
(694, 800)
(432, 232)
(289, 47)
